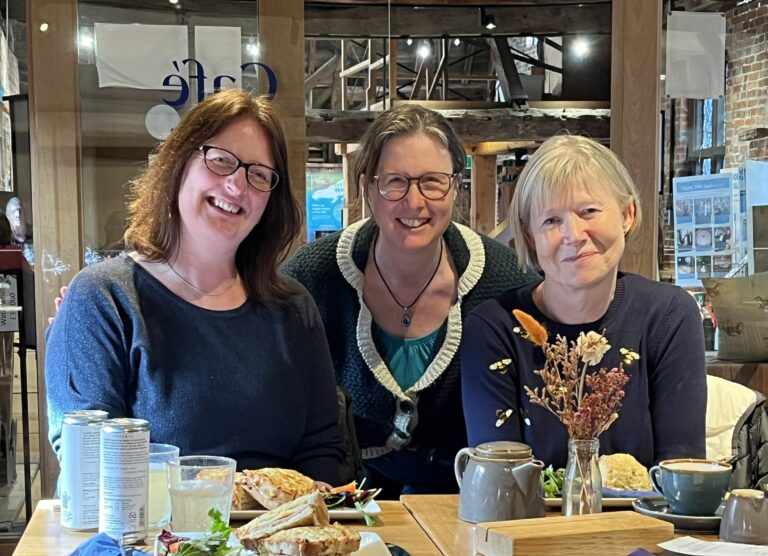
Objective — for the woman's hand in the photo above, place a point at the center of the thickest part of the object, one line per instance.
(57, 302)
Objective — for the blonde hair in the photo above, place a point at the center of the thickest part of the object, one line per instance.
(557, 166)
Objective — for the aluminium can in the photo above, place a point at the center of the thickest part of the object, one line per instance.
(124, 479)
(79, 477)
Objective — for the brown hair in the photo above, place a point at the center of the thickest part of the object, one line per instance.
(154, 218)
(405, 119)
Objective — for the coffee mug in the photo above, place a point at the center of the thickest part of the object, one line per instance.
(691, 486)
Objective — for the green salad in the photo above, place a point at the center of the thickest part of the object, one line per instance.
(553, 481)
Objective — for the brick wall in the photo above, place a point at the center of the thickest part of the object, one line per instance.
(746, 94)
(681, 168)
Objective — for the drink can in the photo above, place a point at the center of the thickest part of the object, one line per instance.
(79, 478)
(124, 479)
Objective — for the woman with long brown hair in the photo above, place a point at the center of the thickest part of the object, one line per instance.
(194, 329)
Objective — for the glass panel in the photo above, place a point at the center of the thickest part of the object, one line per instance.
(706, 124)
(125, 108)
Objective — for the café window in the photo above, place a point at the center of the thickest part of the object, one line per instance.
(706, 148)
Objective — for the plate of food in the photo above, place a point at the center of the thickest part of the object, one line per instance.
(193, 544)
(259, 490)
(624, 480)
(301, 526)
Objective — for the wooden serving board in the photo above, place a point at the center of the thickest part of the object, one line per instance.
(609, 534)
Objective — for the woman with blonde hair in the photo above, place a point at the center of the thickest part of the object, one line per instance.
(194, 330)
(574, 207)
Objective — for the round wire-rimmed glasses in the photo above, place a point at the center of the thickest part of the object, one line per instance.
(433, 185)
(223, 163)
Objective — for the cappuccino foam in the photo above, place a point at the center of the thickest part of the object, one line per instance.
(697, 466)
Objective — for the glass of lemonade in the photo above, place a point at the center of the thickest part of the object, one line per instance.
(159, 498)
(197, 484)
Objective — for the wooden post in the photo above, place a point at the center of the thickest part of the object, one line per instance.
(54, 132)
(392, 69)
(483, 194)
(342, 61)
(635, 129)
(281, 34)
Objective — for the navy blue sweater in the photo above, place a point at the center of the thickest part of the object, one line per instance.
(664, 409)
(253, 383)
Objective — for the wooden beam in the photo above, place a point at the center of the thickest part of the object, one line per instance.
(635, 127)
(474, 126)
(506, 70)
(502, 147)
(456, 21)
(55, 163)
(281, 34)
(420, 78)
(482, 210)
(392, 72)
(322, 73)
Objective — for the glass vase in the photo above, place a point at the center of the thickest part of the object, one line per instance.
(582, 487)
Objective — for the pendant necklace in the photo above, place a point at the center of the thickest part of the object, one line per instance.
(405, 321)
(198, 290)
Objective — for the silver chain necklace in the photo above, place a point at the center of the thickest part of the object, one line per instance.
(198, 290)
(405, 320)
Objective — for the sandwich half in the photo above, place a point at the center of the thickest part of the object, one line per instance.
(272, 486)
(308, 510)
(328, 540)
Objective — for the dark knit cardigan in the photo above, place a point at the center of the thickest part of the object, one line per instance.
(332, 267)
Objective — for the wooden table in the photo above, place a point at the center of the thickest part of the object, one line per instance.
(45, 537)
(438, 515)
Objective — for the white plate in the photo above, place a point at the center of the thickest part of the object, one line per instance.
(370, 544)
(346, 514)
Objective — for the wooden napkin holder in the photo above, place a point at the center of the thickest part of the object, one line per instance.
(607, 534)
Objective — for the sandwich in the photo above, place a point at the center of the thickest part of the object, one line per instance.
(271, 486)
(308, 510)
(623, 472)
(328, 540)
(241, 500)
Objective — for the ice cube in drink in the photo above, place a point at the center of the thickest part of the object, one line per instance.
(192, 500)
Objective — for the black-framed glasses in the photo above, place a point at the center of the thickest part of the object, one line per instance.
(433, 186)
(224, 163)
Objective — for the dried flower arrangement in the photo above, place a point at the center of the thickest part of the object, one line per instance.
(586, 403)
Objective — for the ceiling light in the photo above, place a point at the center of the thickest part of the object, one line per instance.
(86, 41)
(409, 41)
(253, 49)
(43, 27)
(424, 50)
(580, 47)
(174, 1)
(487, 20)
(456, 42)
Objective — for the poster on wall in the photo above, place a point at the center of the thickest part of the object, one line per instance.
(704, 218)
(325, 199)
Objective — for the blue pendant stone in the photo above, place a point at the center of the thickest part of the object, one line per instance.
(405, 322)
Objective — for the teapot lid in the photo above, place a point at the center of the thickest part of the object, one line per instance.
(504, 449)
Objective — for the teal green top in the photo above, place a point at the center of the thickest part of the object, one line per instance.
(407, 358)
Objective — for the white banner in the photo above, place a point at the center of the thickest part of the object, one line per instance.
(219, 51)
(139, 56)
(695, 55)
